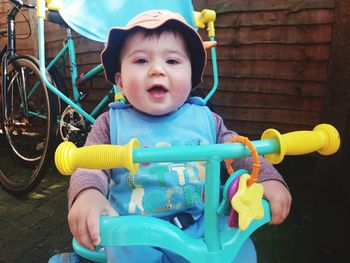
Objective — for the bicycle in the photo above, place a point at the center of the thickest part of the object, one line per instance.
(27, 122)
(216, 245)
(73, 122)
(34, 109)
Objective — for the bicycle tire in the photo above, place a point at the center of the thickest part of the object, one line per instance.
(30, 135)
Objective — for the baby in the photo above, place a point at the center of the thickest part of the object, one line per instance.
(156, 60)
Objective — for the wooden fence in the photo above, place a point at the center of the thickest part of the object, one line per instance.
(273, 58)
(273, 62)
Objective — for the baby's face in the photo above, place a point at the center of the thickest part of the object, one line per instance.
(155, 72)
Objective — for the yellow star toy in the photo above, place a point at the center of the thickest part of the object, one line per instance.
(247, 202)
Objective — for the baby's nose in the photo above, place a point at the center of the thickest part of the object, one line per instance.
(156, 69)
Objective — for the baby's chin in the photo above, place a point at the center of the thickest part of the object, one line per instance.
(158, 112)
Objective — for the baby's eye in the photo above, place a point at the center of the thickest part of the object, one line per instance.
(140, 61)
(172, 61)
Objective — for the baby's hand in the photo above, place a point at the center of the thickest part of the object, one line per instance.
(84, 217)
(280, 200)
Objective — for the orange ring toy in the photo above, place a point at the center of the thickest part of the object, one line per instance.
(256, 162)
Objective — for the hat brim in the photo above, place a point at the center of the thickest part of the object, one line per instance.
(110, 56)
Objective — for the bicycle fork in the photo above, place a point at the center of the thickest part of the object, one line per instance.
(6, 56)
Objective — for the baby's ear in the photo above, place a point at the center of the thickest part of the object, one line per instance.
(118, 80)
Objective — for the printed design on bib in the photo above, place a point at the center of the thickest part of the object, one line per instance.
(161, 187)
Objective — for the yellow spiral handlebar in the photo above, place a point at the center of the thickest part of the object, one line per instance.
(68, 157)
(324, 138)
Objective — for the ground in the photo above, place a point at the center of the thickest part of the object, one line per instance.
(34, 227)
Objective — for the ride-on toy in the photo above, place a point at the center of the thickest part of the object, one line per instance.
(242, 196)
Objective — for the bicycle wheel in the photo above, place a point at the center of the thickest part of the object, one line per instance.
(29, 126)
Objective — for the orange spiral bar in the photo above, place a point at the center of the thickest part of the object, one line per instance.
(256, 162)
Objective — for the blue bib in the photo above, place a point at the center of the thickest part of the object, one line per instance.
(161, 189)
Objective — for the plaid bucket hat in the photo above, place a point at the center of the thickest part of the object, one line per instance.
(154, 19)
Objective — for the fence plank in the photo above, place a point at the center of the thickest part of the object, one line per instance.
(283, 70)
(267, 101)
(275, 34)
(274, 18)
(272, 51)
(271, 86)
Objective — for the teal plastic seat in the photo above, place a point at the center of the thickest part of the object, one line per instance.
(93, 19)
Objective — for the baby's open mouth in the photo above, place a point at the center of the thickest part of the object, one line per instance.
(157, 91)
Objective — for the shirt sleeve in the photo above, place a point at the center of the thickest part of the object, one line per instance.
(267, 170)
(86, 178)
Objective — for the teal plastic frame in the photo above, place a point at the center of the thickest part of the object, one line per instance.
(216, 245)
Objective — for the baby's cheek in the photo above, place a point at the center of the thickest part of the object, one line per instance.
(133, 88)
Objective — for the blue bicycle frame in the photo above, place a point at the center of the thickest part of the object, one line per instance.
(70, 48)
